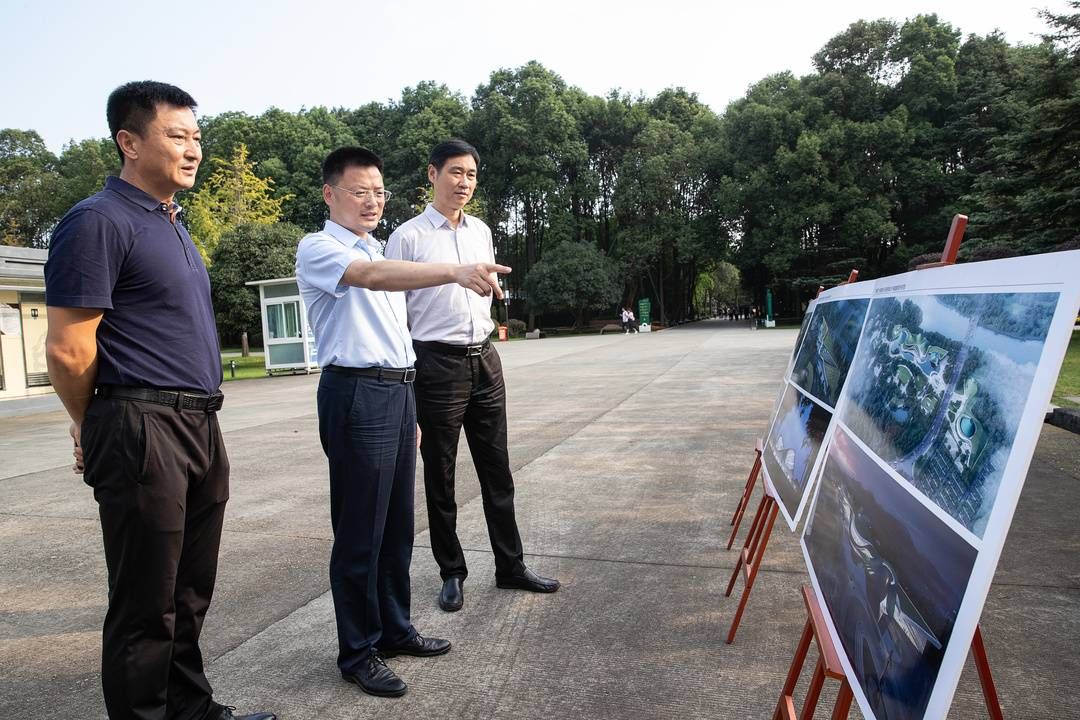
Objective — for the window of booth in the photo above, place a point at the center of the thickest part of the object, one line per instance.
(283, 320)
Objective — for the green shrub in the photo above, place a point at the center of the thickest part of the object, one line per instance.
(515, 327)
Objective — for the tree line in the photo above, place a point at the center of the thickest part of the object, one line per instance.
(596, 201)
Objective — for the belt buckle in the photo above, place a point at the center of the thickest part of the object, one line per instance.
(474, 350)
(409, 375)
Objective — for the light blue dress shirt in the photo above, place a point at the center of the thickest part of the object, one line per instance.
(354, 327)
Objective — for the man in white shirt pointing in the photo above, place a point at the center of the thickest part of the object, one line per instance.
(459, 381)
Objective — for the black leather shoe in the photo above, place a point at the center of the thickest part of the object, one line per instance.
(228, 713)
(527, 580)
(418, 646)
(375, 678)
(452, 596)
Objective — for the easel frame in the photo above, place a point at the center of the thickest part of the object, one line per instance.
(828, 666)
(815, 629)
(761, 528)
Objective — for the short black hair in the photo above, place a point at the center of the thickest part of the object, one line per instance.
(452, 149)
(339, 160)
(133, 105)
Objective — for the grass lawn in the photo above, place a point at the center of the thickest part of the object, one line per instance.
(1068, 384)
(252, 366)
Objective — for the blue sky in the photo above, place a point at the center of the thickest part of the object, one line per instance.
(61, 58)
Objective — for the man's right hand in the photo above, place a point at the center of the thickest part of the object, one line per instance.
(480, 278)
(76, 434)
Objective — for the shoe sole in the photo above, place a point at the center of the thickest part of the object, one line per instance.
(376, 693)
(450, 608)
(529, 588)
(397, 653)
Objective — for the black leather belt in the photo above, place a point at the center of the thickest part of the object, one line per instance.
(447, 349)
(405, 375)
(178, 399)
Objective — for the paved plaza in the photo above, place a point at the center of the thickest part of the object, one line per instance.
(629, 455)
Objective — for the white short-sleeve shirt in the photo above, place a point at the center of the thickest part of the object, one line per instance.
(445, 313)
(354, 327)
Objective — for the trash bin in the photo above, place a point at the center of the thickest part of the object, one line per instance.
(502, 333)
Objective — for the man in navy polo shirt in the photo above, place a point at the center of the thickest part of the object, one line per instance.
(133, 354)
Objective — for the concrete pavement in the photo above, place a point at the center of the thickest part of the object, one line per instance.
(629, 455)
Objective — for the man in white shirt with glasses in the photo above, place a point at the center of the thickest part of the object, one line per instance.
(459, 380)
(367, 414)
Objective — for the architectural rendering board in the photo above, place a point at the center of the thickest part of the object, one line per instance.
(929, 449)
(792, 449)
(828, 346)
(938, 387)
(800, 420)
(892, 576)
(802, 334)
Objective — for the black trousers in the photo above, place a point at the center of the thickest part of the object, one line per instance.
(368, 432)
(455, 391)
(161, 480)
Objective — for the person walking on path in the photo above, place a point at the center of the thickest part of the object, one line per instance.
(459, 380)
(367, 414)
(132, 350)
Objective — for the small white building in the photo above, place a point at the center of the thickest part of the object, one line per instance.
(288, 343)
(23, 323)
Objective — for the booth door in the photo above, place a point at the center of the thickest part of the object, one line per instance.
(285, 344)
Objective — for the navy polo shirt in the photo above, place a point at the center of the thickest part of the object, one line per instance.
(119, 251)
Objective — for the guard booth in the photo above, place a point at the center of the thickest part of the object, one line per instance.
(288, 344)
(23, 323)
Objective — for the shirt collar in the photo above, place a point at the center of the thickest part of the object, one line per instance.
(347, 237)
(437, 219)
(136, 195)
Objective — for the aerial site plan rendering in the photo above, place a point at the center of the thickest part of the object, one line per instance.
(938, 387)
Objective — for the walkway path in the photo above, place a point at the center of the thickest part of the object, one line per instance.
(629, 454)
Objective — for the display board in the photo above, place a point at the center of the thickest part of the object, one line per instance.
(803, 415)
(934, 430)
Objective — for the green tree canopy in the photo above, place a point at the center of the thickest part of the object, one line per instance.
(860, 163)
(233, 195)
(575, 277)
(247, 252)
(29, 185)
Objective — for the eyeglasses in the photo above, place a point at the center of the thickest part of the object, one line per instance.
(378, 195)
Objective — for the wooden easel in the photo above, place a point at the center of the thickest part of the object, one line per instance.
(744, 501)
(757, 539)
(753, 549)
(828, 664)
